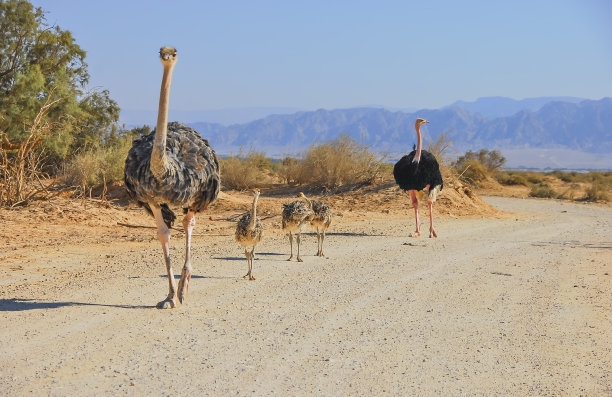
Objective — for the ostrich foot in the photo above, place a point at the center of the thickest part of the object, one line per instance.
(432, 233)
(168, 303)
(249, 276)
(299, 259)
(415, 234)
(183, 285)
(290, 258)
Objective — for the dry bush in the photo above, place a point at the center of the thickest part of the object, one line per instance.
(290, 170)
(511, 178)
(599, 189)
(243, 172)
(21, 163)
(473, 172)
(477, 167)
(542, 190)
(336, 163)
(440, 148)
(95, 168)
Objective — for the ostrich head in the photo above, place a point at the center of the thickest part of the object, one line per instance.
(168, 55)
(256, 191)
(419, 122)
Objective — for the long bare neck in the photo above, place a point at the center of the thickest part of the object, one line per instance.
(307, 201)
(254, 212)
(158, 154)
(417, 156)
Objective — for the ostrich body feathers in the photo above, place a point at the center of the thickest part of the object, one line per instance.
(411, 175)
(322, 214)
(191, 180)
(295, 214)
(246, 235)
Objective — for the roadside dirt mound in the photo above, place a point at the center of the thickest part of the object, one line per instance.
(455, 200)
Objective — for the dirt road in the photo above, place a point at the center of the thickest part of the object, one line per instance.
(519, 304)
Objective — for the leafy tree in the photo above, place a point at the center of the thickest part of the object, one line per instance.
(39, 62)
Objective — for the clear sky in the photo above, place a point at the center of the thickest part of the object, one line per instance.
(341, 53)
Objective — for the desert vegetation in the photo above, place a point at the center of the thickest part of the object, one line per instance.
(483, 168)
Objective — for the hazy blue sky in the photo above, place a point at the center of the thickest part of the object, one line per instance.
(335, 54)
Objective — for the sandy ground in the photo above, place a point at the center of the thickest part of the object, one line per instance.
(513, 299)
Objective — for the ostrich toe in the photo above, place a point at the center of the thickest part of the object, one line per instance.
(167, 303)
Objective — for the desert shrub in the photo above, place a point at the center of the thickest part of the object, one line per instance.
(599, 189)
(571, 192)
(243, 172)
(472, 172)
(476, 167)
(96, 167)
(339, 162)
(290, 170)
(440, 147)
(567, 177)
(535, 178)
(542, 190)
(237, 173)
(511, 178)
(492, 160)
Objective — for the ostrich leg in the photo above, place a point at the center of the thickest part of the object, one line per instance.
(322, 239)
(249, 256)
(432, 231)
(163, 234)
(291, 244)
(183, 285)
(298, 247)
(415, 204)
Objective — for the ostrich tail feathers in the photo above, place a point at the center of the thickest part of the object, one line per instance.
(168, 215)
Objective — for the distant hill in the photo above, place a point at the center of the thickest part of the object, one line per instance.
(224, 116)
(585, 126)
(493, 107)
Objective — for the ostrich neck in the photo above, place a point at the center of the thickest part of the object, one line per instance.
(158, 154)
(417, 156)
(253, 213)
(308, 202)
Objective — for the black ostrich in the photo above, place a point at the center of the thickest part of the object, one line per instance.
(419, 173)
(174, 166)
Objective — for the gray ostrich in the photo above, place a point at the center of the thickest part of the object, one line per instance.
(320, 220)
(294, 215)
(249, 232)
(174, 166)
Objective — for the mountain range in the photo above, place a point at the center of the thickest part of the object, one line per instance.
(553, 132)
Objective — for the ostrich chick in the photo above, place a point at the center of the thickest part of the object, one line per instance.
(294, 215)
(249, 232)
(320, 220)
